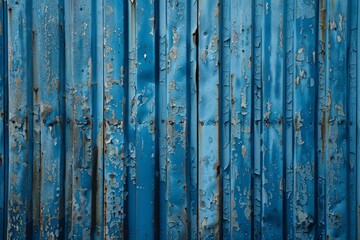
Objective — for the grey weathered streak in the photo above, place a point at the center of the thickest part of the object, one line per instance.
(179, 119)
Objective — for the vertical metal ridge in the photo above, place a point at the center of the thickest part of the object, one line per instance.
(209, 110)
(47, 134)
(114, 115)
(20, 128)
(177, 118)
(303, 118)
(273, 84)
(338, 141)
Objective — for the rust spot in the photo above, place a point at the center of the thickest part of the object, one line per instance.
(217, 169)
(322, 18)
(296, 123)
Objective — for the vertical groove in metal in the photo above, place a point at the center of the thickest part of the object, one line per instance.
(2, 116)
(257, 119)
(149, 119)
(6, 119)
(225, 123)
(193, 117)
(162, 118)
(322, 121)
(357, 108)
(97, 48)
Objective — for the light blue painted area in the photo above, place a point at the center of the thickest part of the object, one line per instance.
(144, 119)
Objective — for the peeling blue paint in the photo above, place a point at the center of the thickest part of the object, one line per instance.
(144, 119)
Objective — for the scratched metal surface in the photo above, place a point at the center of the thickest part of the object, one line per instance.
(179, 119)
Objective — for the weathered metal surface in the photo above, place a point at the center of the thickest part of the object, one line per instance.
(179, 119)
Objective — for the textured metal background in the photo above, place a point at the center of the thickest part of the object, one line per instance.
(175, 119)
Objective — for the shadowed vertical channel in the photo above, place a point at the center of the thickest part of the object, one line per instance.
(358, 124)
(69, 140)
(162, 116)
(132, 122)
(322, 116)
(97, 48)
(257, 114)
(225, 123)
(37, 173)
(288, 186)
(192, 8)
(2, 117)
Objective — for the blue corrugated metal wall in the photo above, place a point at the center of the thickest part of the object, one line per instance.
(179, 119)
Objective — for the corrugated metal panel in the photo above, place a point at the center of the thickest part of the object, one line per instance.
(177, 119)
